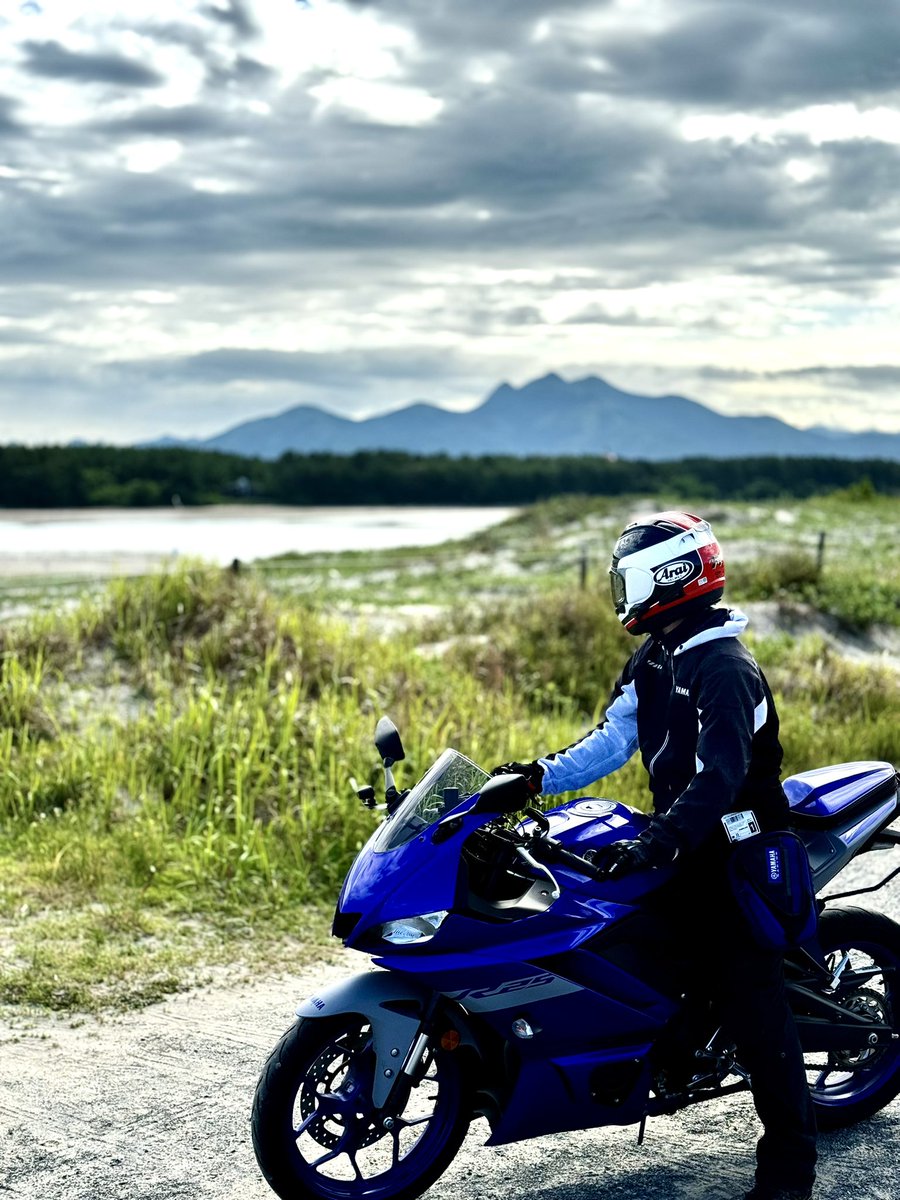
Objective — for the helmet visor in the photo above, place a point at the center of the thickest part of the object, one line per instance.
(629, 587)
(617, 587)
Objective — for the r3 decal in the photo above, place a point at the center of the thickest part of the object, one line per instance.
(511, 992)
(511, 985)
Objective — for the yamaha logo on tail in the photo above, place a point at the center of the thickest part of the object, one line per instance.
(674, 572)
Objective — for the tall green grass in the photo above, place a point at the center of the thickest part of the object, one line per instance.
(175, 758)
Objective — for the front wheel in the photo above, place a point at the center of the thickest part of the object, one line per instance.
(850, 1085)
(317, 1135)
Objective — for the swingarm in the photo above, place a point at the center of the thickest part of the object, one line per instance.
(824, 1025)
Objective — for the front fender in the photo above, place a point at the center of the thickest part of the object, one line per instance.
(394, 1028)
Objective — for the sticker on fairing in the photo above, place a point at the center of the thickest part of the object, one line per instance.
(512, 992)
(741, 825)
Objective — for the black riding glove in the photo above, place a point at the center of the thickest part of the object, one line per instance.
(621, 858)
(533, 774)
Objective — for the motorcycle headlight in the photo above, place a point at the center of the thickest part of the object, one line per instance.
(406, 930)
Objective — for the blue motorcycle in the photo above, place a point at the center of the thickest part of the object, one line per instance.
(520, 985)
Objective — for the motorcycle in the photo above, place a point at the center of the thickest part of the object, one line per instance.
(521, 985)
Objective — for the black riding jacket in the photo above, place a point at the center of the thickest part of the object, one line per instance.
(699, 709)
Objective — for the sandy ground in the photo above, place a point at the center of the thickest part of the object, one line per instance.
(155, 1105)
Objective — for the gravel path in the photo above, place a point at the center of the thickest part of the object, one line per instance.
(154, 1106)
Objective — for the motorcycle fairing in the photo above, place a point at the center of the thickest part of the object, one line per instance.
(575, 1039)
(417, 877)
(568, 1100)
(422, 875)
(582, 1013)
(465, 942)
(580, 1036)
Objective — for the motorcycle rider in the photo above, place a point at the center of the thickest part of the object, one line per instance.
(694, 702)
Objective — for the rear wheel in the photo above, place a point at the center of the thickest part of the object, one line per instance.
(317, 1135)
(850, 1085)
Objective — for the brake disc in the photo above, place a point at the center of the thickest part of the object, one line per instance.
(331, 1126)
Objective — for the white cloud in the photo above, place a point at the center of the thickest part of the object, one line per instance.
(145, 158)
(818, 123)
(372, 100)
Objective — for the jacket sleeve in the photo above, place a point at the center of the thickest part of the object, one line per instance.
(603, 750)
(731, 707)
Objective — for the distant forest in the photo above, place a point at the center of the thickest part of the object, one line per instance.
(85, 476)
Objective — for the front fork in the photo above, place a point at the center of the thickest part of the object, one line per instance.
(401, 1014)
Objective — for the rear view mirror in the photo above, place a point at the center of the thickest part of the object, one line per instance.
(387, 742)
(504, 794)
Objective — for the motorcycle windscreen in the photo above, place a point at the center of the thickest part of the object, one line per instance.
(448, 782)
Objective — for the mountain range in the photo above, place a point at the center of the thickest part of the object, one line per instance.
(548, 416)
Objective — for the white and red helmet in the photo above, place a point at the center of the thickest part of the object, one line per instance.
(663, 568)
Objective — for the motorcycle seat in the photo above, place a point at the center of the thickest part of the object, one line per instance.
(828, 796)
(836, 810)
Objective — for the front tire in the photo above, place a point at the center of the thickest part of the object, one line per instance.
(317, 1135)
(850, 1086)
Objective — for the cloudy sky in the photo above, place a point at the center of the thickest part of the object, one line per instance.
(215, 209)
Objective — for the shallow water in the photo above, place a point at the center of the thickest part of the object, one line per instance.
(90, 540)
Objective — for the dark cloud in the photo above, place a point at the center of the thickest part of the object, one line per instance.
(236, 15)
(11, 335)
(878, 377)
(336, 370)
(863, 177)
(596, 314)
(628, 199)
(193, 38)
(476, 27)
(8, 123)
(239, 71)
(184, 121)
(615, 188)
(759, 55)
(224, 66)
(53, 61)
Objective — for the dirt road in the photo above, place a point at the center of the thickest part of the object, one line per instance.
(154, 1106)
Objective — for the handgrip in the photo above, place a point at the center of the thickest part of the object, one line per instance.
(557, 853)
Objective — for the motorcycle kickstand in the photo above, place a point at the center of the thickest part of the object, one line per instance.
(641, 1128)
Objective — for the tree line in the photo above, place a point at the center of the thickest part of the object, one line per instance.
(87, 476)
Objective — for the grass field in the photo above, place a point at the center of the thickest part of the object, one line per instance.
(175, 751)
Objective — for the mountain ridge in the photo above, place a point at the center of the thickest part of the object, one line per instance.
(550, 417)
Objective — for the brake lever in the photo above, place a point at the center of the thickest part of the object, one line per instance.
(539, 819)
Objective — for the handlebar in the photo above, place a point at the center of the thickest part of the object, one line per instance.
(566, 858)
(542, 845)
